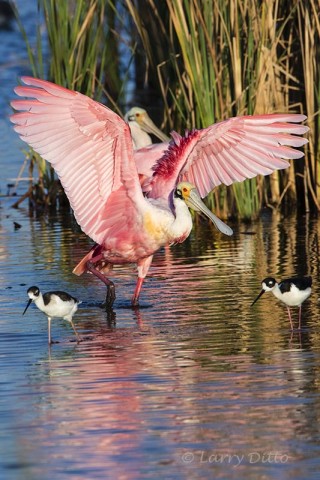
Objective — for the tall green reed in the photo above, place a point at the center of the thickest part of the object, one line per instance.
(209, 60)
(80, 52)
(235, 58)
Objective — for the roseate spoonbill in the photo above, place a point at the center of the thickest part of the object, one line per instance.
(146, 153)
(54, 305)
(140, 125)
(291, 291)
(91, 149)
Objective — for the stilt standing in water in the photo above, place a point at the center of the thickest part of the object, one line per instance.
(55, 304)
(291, 291)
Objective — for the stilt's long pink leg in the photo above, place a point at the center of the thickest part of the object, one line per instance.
(300, 317)
(49, 330)
(289, 314)
(75, 331)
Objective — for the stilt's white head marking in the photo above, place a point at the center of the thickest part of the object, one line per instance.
(33, 293)
(268, 284)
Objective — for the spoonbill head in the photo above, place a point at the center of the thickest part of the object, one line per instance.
(140, 125)
(193, 200)
(129, 219)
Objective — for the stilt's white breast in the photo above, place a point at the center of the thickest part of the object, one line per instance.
(57, 307)
(293, 298)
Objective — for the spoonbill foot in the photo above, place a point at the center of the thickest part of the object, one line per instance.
(110, 297)
(135, 298)
(111, 293)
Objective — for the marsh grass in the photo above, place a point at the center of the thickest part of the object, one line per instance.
(237, 58)
(208, 60)
(82, 49)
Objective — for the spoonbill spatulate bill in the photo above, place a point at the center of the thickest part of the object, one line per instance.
(140, 126)
(129, 213)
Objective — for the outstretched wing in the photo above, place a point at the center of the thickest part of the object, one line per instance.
(228, 152)
(146, 157)
(89, 146)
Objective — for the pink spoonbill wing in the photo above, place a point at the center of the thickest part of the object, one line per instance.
(229, 151)
(88, 145)
(91, 149)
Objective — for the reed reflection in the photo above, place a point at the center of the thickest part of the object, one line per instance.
(194, 368)
(133, 388)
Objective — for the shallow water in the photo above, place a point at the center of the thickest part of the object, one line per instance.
(194, 384)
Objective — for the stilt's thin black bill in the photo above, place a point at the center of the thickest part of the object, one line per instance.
(30, 300)
(261, 293)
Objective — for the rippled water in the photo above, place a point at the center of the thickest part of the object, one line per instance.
(195, 384)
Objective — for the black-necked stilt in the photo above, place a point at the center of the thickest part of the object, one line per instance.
(291, 291)
(55, 305)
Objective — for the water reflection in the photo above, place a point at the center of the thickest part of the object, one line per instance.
(194, 384)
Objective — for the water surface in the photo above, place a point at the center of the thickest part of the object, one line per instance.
(194, 384)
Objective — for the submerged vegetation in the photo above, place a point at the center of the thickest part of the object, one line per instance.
(203, 61)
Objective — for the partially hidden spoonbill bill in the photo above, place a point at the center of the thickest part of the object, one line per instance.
(131, 213)
(55, 304)
(140, 126)
(291, 291)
